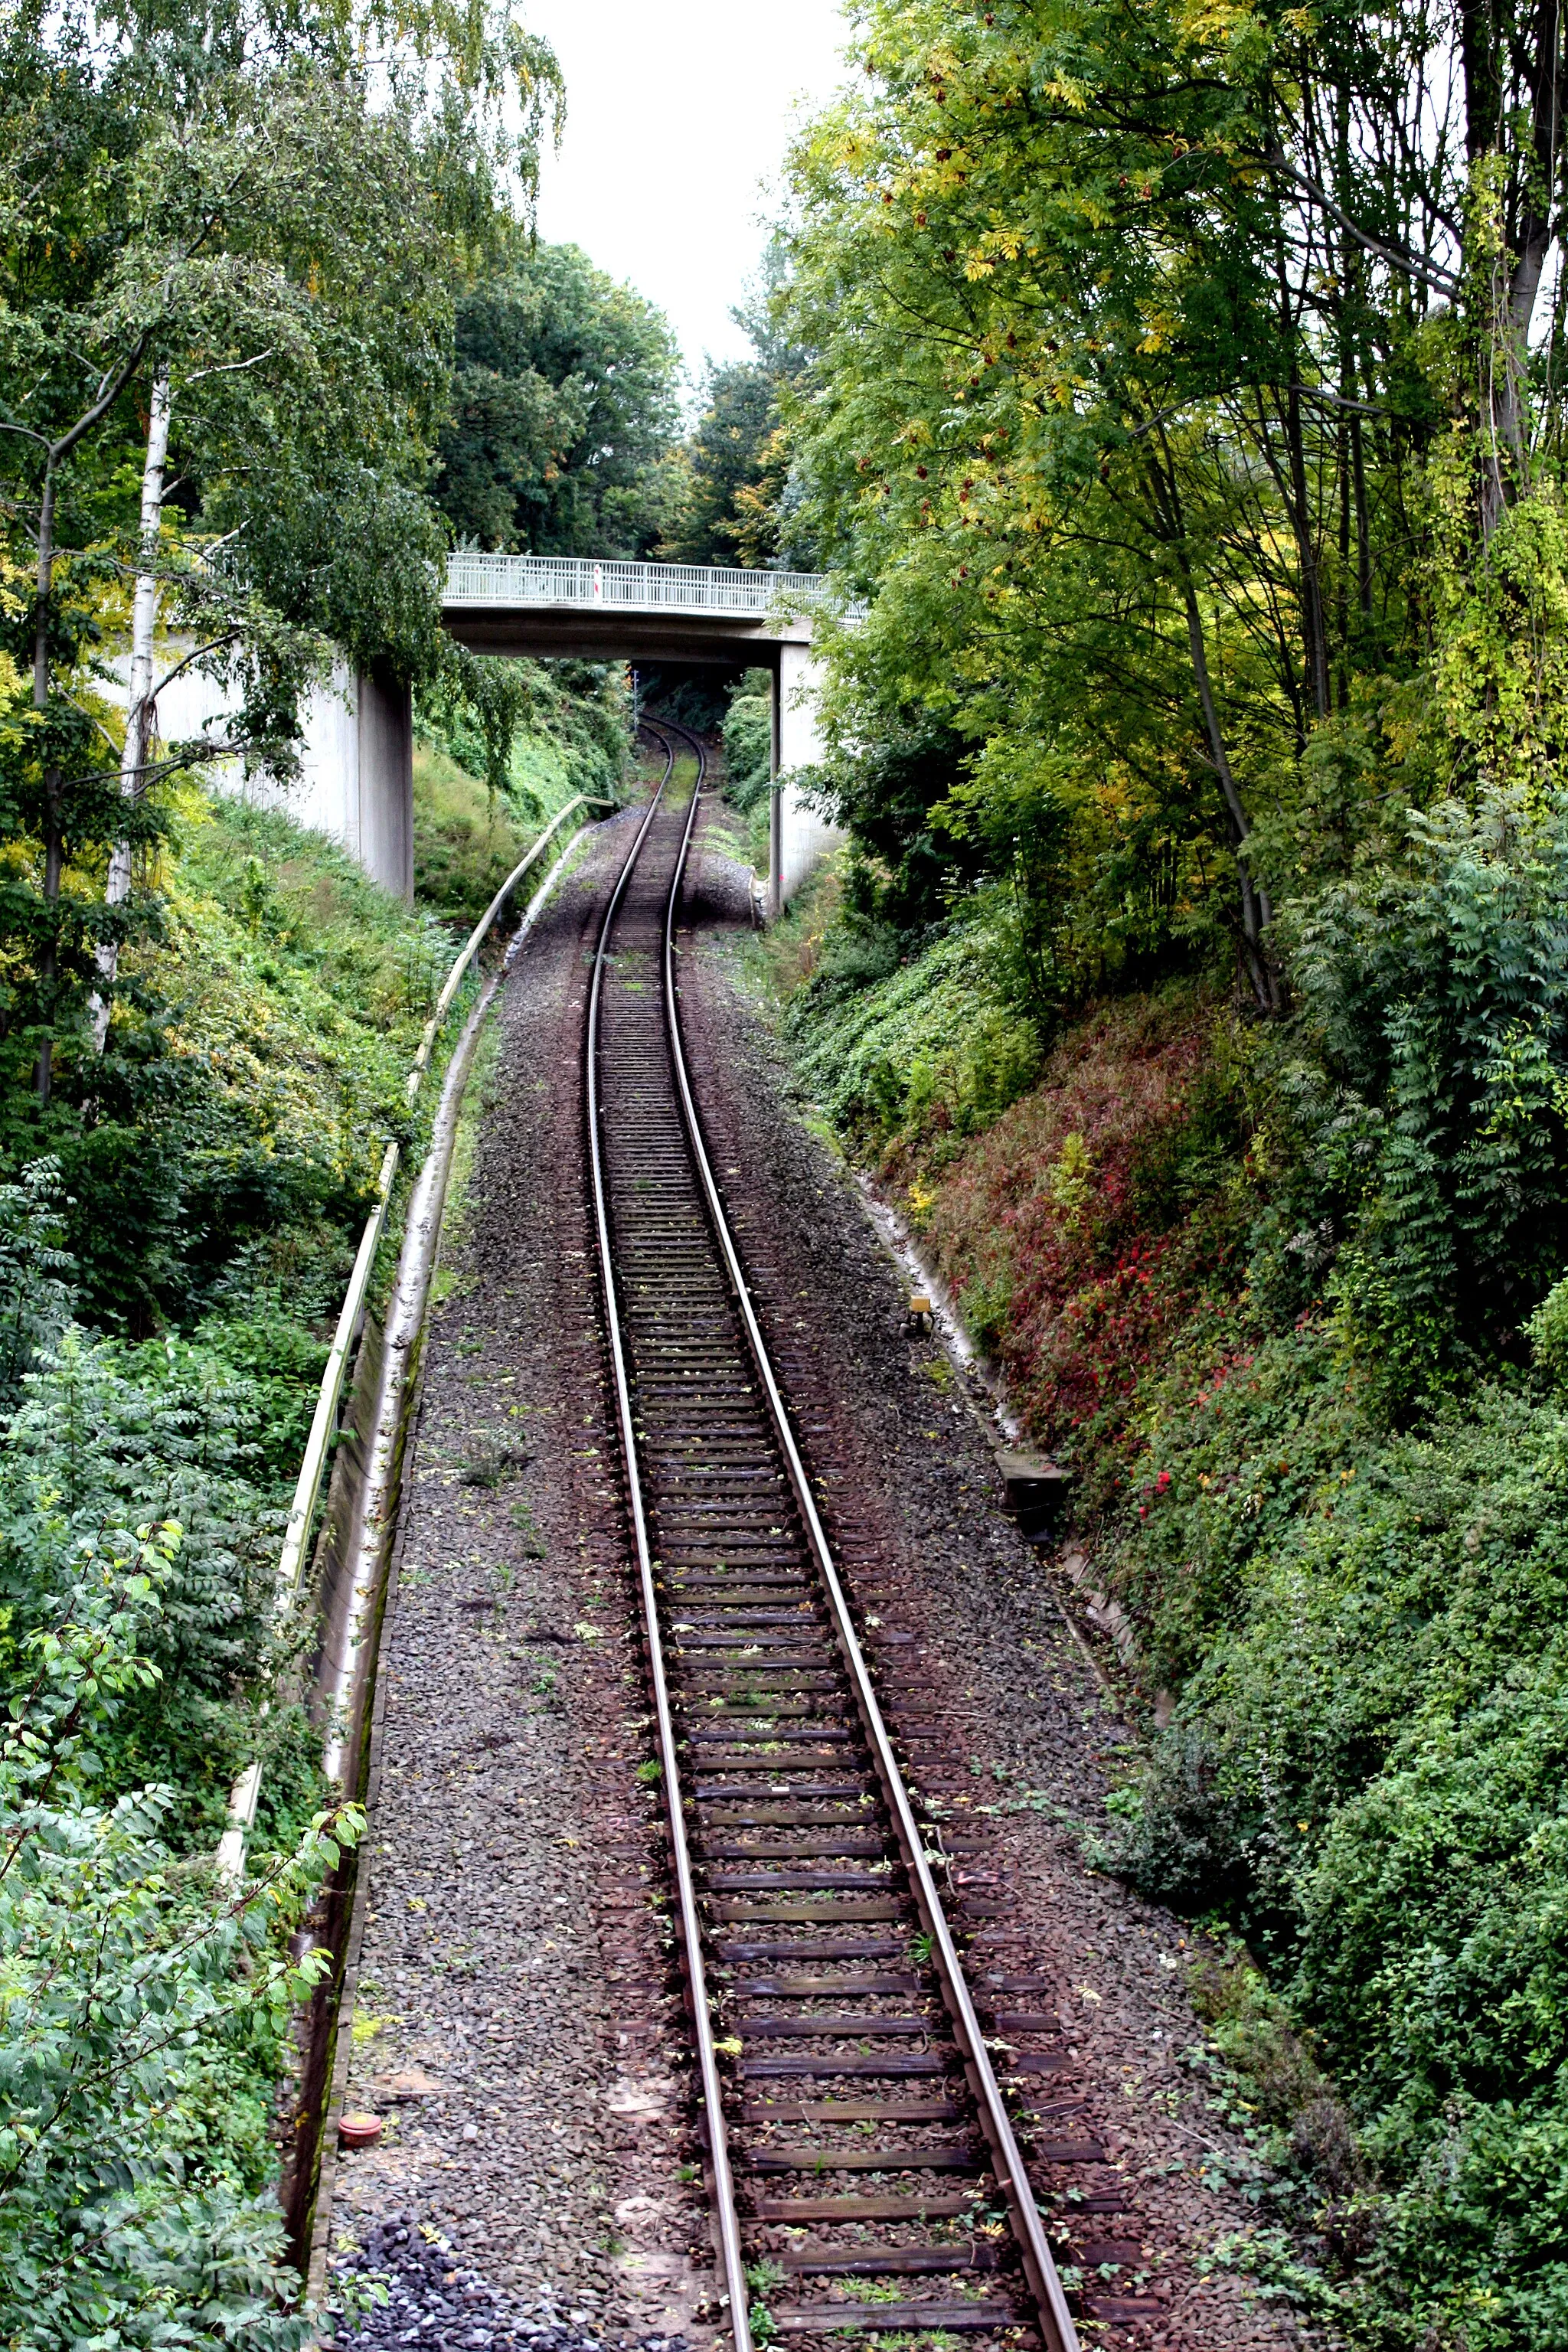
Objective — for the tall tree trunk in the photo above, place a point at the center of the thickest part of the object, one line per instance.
(1315, 624)
(47, 958)
(140, 701)
(1164, 494)
(1511, 65)
(1255, 911)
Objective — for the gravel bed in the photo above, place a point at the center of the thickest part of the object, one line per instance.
(518, 2021)
(407, 2284)
(1008, 1728)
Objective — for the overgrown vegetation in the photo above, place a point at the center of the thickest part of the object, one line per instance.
(1181, 400)
(573, 736)
(162, 1346)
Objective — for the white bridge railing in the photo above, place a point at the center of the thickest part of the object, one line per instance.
(475, 579)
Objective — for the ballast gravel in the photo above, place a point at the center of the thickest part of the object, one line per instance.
(407, 2284)
(518, 2021)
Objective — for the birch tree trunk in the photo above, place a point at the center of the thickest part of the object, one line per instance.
(140, 704)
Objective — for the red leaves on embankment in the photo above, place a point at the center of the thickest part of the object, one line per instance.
(1101, 1213)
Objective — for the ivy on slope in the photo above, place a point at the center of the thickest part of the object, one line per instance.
(1293, 1301)
(231, 1137)
(1365, 1774)
(930, 1043)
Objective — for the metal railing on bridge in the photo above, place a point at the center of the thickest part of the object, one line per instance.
(478, 579)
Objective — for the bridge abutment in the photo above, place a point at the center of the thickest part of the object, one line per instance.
(799, 838)
(356, 761)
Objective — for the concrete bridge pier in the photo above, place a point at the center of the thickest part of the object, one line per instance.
(798, 837)
(356, 760)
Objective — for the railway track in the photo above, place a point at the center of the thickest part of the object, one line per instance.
(861, 2162)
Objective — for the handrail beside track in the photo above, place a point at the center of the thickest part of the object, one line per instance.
(245, 1796)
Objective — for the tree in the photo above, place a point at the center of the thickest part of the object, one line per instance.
(134, 2050)
(1136, 337)
(254, 300)
(563, 408)
(736, 503)
(725, 457)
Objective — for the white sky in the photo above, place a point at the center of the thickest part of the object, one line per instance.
(676, 111)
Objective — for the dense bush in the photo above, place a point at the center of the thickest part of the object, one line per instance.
(172, 1431)
(748, 737)
(1365, 1770)
(1422, 1092)
(1275, 1292)
(143, 1488)
(140, 2010)
(229, 1139)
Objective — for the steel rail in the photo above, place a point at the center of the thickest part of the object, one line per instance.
(723, 2186)
(1039, 2268)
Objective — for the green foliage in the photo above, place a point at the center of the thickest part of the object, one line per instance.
(466, 840)
(574, 735)
(205, 1434)
(1547, 1331)
(234, 1129)
(1365, 1769)
(738, 498)
(36, 1298)
(562, 409)
(726, 456)
(1423, 1095)
(748, 735)
(225, 320)
(927, 1046)
(141, 2010)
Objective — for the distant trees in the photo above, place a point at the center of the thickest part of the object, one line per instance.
(725, 457)
(564, 409)
(739, 501)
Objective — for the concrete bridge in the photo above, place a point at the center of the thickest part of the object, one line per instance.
(356, 781)
(605, 610)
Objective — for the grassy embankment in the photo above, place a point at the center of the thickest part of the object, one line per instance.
(169, 1272)
(1355, 1604)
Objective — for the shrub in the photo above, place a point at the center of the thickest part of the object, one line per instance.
(1428, 1083)
(748, 735)
(109, 1437)
(1365, 1771)
(141, 2011)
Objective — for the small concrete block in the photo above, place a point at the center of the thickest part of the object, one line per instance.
(1032, 1487)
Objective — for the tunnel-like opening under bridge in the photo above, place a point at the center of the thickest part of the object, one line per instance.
(588, 609)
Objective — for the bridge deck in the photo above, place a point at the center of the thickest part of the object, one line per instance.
(605, 610)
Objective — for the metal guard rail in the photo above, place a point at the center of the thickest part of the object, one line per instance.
(478, 579)
(246, 1791)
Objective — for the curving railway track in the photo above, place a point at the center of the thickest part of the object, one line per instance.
(861, 2161)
